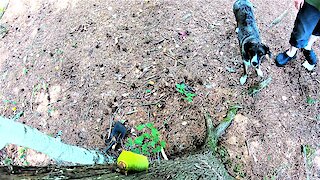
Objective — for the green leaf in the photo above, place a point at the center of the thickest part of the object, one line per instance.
(150, 125)
(146, 135)
(181, 88)
(190, 94)
(139, 140)
(157, 149)
(189, 99)
(59, 51)
(25, 71)
(5, 101)
(130, 142)
(26, 163)
(7, 161)
(154, 132)
(22, 156)
(145, 149)
(148, 91)
(162, 144)
(140, 127)
(156, 139)
(21, 151)
(136, 150)
(152, 144)
(311, 100)
(178, 86)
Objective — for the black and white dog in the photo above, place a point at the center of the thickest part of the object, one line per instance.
(252, 50)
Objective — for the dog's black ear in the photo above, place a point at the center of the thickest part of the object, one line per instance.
(267, 50)
(248, 46)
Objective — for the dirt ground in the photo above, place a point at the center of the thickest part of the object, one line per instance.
(75, 66)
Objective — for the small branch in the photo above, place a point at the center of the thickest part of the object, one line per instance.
(215, 133)
(305, 158)
(257, 88)
(12, 132)
(279, 18)
(164, 154)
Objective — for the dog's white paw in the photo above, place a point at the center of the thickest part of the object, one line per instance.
(243, 79)
(259, 72)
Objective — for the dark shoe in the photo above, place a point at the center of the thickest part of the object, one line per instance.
(282, 59)
(310, 56)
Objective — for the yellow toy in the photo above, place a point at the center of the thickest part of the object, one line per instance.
(129, 161)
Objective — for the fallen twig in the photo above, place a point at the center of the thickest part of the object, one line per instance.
(175, 59)
(215, 133)
(279, 18)
(131, 112)
(164, 154)
(257, 88)
(304, 150)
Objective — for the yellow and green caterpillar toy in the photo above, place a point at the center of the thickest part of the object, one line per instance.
(129, 161)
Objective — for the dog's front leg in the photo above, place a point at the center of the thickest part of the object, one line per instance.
(259, 72)
(244, 77)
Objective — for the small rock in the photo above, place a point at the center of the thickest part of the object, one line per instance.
(25, 59)
(125, 95)
(184, 123)
(284, 98)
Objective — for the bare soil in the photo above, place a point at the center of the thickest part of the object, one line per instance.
(75, 66)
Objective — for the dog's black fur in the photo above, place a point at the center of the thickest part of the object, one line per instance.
(252, 50)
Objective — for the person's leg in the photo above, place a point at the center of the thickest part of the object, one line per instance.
(306, 21)
(292, 51)
(312, 39)
(310, 55)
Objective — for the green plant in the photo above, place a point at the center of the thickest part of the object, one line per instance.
(238, 169)
(51, 109)
(3, 29)
(311, 100)
(183, 89)
(25, 71)
(308, 152)
(148, 142)
(7, 161)
(223, 154)
(59, 51)
(74, 45)
(22, 152)
(269, 177)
